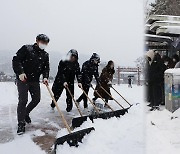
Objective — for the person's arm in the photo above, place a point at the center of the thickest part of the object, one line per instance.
(18, 59)
(96, 74)
(46, 68)
(78, 73)
(60, 75)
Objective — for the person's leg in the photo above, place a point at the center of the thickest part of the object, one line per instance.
(86, 89)
(69, 98)
(57, 90)
(80, 98)
(21, 109)
(34, 89)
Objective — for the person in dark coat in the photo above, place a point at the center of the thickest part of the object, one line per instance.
(155, 80)
(105, 80)
(89, 69)
(148, 61)
(29, 63)
(130, 82)
(67, 71)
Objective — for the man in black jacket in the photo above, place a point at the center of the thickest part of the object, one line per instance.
(89, 69)
(67, 70)
(29, 63)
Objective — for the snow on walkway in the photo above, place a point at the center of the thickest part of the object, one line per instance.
(137, 132)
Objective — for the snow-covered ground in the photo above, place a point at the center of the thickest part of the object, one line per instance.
(163, 132)
(137, 132)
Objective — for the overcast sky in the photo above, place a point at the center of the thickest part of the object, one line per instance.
(112, 28)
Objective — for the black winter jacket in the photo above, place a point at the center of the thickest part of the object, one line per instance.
(32, 61)
(67, 71)
(88, 70)
(156, 72)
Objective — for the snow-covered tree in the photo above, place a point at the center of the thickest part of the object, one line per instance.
(166, 7)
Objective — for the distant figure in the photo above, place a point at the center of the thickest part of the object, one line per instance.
(129, 82)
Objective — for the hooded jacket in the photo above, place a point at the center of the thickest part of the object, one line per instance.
(67, 71)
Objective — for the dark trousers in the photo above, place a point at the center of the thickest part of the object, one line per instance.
(58, 88)
(156, 95)
(83, 96)
(23, 88)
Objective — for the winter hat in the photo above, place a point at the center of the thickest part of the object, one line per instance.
(96, 57)
(74, 53)
(43, 38)
(151, 55)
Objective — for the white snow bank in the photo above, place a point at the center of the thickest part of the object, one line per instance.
(116, 135)
(162, 132)
(175, 71)
(21, 145)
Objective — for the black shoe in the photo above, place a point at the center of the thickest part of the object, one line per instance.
(69, 108)
(21, 128)
(157, 108)
(149, 105)
(86, 106)
(28, 119)
(152, 109)
(52, 105)
(106, 106)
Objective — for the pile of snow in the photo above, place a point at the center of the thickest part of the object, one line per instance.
(125, 134)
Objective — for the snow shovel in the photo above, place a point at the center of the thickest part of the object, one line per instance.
(121, 95)
(73, 138)
(77, 122)
(116, 113)
(112, 97)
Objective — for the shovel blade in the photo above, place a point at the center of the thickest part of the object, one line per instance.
(73, 138)
(111, 114)
(77, 122)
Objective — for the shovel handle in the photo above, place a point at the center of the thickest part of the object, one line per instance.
(121, 96)
(97, 110)
(101, 98)
(112, 97)
(74, 101)
(59, 110)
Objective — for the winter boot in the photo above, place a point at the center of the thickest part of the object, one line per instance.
(69, 108)
(52, 105)
(152, 108)
(21, 128)
(85, 105)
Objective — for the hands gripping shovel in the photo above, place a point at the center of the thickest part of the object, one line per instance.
(73, 137)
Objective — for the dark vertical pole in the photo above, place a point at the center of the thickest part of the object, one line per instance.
(138, 77)
(118, 75)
